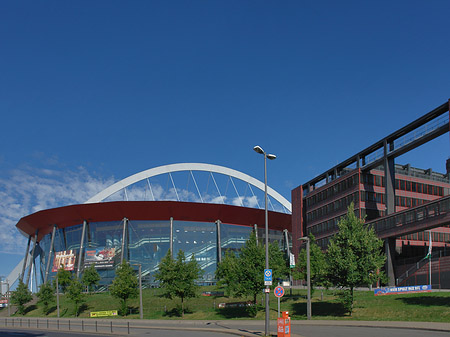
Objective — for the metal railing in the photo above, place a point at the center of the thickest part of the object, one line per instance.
(83, 325)
(427, 211)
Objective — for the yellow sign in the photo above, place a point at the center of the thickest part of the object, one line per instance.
(103, 313)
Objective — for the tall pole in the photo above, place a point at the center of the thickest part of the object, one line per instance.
(308, 276)
(8, 296)
(259, 150)
(141, 309)
(266, 330)
(429, 255)
(57, 296)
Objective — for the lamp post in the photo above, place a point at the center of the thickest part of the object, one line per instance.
(258, 149)
(141, 309)
(57, 296)
(308, 275)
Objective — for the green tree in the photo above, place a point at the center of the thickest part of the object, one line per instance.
(354, 255)
(318, 265)
(124, 286)
(243, 275)
(46, 296)
(21, 296)
(177, 277)
(74, 292)
(226, 273)
(90, 277)
(64, 278)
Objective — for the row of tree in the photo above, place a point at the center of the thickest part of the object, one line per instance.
(354, 257)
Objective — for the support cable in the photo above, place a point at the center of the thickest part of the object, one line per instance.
(173, 184)
(195, 183)
(239, 197)
(223, 200)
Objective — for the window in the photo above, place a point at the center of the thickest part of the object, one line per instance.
(419, 187)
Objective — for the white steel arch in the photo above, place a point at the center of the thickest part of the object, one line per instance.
(187, 167)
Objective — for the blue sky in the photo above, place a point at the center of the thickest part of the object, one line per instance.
(94, 91)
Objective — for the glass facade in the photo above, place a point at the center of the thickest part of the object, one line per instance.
(146, 243)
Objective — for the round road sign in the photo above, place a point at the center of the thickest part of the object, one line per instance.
(279, 291)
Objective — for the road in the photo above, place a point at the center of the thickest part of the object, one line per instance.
(346, 331)
(148, 333)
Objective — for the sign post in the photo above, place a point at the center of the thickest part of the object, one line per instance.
(279, 292)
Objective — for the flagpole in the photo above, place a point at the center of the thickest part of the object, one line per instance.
(429, 256)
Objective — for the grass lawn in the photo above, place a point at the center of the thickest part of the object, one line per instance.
(430, 307)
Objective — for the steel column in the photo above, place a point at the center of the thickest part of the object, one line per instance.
(83, 231)
(49, 257)
(171, 237)
(125, 222)
(25, 259)
(219, 242)
(32, 257)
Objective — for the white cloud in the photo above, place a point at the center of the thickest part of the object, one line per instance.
(27, 190)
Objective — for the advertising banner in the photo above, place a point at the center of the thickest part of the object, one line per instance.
(402, 290)
(64, 259)
(100, 257)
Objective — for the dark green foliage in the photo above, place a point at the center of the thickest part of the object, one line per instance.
(318, 265)
(124, 286)
(21, 296)
(90, 277)
(64, 279)
(226, 273)
(74, 293)
(177, 277)
(46, 296)
(354, 256)
(243, 274)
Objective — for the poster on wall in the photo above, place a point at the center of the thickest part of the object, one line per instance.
(100, 257)
(64, 259)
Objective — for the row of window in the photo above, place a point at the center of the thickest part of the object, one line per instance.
(339, 204)
(326, 226)
(373, 179)
(332, 190)
(411, 186)
(409, 202)
(406, 185)
(379, 198)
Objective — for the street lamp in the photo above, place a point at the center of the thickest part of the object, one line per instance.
(308, 275)
(258, 149)
(141, 309)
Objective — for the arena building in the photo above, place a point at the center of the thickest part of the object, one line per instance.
(105, 233)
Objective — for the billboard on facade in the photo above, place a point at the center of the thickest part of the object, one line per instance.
(64, 259)
(100, 257)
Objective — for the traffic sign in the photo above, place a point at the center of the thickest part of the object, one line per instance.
(268, 277)
(279, 291)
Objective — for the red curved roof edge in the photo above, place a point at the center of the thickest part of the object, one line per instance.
(72, 215)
